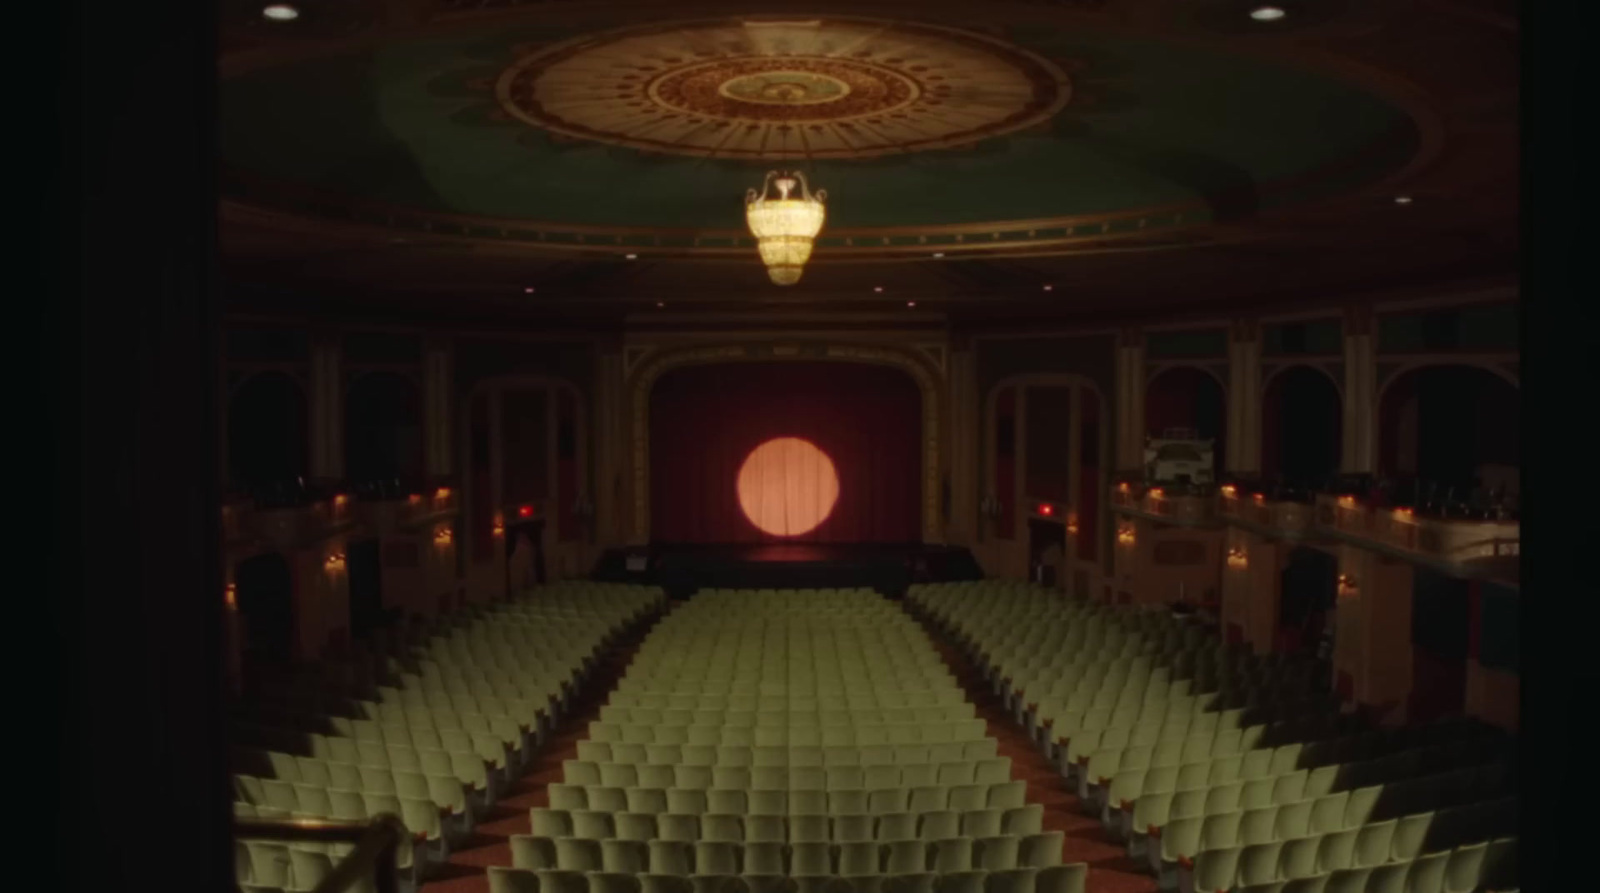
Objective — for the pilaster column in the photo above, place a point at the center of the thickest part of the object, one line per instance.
(1359, 447)
(438, 404)
(1372, 643)
(965, 429)
(326, 408)
(1244, 398)
(612, 511)
(1130, 391)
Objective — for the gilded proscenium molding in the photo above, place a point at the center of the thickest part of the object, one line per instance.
(654, 367)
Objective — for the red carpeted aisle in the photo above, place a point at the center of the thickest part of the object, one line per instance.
(1110, 868)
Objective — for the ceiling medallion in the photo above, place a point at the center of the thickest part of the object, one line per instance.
(785, 226)
(836, 88)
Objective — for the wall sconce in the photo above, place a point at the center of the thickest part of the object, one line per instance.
(989, 507)
(1125, 535)
(230, 596)
(443, 537)
(1348, 502)
(499, 528)
(1230, 491)
(1157, 493)
(414, 498)
(339, 500)
(334, 561)
(1123, 487)
(1261, 499)
(1072, 524)
(442, 493)
(1404, 514)
(1347, 586)
(1238, 559)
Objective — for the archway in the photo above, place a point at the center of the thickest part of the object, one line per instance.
(1449, 438)
(1301, 422)
(267, 444)
(383, 433)
(1184, 398)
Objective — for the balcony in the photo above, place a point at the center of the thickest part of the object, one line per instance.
(1279, 518)
(1461, 546)
(250, 525)
(247, 526)
(1164, 505)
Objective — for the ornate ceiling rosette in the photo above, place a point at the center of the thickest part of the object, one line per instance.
(825, 88)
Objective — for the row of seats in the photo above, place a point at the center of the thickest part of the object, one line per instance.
(394, 737)
(846, 777)
(737, 828)
(783, 801)
(1056, 879)
(792, 714)
(1284, 868)
(791, 755)
(1345, 845)
(775, 702)
(682, 858)
(782, 736)
(1320, 801)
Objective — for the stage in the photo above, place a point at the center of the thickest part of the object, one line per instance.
(888, 568)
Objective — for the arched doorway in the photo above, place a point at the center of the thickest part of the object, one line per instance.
(383, 433)
(266, 432)
(1308, 594)
(1301, 422)
(1449, 439)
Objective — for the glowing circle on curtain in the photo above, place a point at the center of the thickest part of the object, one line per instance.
(787, 486)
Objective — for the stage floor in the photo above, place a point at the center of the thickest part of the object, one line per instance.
(886, 567)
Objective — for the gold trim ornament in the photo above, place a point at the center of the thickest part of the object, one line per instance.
(785, 225)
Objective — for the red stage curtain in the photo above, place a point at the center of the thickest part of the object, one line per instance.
(705, 421)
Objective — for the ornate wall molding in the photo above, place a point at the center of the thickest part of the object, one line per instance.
(643, 377)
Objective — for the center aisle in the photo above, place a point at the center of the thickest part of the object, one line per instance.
(1110, 868)
(467, 871)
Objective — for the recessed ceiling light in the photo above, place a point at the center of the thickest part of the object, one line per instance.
(878, 289)
(938, 254)
(661, 303)
(527, 290)
(630, 257)
(1267, 13)
(1402, 199)
(280, 12)
(1049, 287)
(911, 303)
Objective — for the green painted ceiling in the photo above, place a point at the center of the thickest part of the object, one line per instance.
(415, 124)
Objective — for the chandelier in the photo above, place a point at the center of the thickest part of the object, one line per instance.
(785, 226)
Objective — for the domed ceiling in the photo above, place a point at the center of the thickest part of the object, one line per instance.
(589, 135)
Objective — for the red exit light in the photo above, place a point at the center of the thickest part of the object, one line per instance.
(524, 511)
(1046, 509)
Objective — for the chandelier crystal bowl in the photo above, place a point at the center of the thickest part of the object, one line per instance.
(785, 225)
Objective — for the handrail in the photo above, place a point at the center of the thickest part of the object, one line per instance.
(376, 842)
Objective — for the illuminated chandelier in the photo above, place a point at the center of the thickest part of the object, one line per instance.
(785, 227)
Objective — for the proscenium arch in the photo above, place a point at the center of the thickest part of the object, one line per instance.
(1052, 379)
(644, 380)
